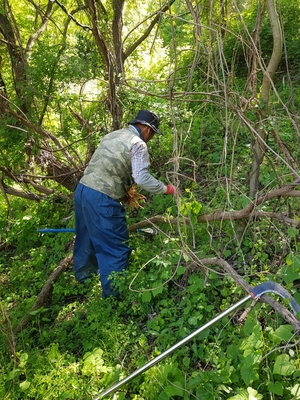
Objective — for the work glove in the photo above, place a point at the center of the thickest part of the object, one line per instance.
(170, 189)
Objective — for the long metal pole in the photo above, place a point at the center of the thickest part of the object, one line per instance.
(171, 349)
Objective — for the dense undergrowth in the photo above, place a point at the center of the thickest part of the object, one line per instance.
(78, 345)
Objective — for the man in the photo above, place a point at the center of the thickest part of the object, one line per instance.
(101, 244)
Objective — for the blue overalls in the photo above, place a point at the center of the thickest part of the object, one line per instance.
(101, 244)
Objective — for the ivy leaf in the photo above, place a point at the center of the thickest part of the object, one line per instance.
(283, 365)
(146, 297)
(248, 374)
(157, 291)
(275, 387)
(283, 332)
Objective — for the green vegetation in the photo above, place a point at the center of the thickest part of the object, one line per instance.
(70, 72)
(79, 344)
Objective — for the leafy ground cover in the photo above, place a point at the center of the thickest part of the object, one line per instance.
(79, 344)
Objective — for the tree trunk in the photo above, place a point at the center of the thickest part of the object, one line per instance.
(260, 141)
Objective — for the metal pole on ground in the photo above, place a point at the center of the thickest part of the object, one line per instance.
(171, 349)
(256, 292)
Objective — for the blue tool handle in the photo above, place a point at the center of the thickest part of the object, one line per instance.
(274, 287)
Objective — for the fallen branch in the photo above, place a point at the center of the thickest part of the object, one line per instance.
(220, 216)
(247, 211)
(157, 219)
(280, 217)
(45, 295)
(243, 316)
(9, 209)
(25, 195)
(283, 311)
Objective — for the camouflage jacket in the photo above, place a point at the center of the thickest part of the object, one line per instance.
(109, 170)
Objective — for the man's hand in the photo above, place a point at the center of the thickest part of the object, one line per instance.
(173, 190)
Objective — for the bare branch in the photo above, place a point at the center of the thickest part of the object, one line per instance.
(6, 198)
(41, 29)
(22, 194)
(70, 15)
(147, 32)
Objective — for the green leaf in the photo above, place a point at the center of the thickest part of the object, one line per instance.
(23, 360)
(253, 394)
(252, 342)
(293, 232)
(35, 312)
(193, 321)
(289, 259)
(248, 374)
(174, 390)
(186, 361)
(163, 396)
(243, 395)
(283, 332)
(251, 358)
(53, 352)
(275, 387)
(227, 253)
(292, 271)
(180, 270)
(296, 391)
(251, 326)
(93, 362)
(297, 297)
(146, 297)
(283, 365)
(24, 385)
(13, 374)
(157, 291)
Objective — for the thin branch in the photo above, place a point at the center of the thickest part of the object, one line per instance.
(147, 32)
(41, 29)
(6, 198)
(70, 15)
